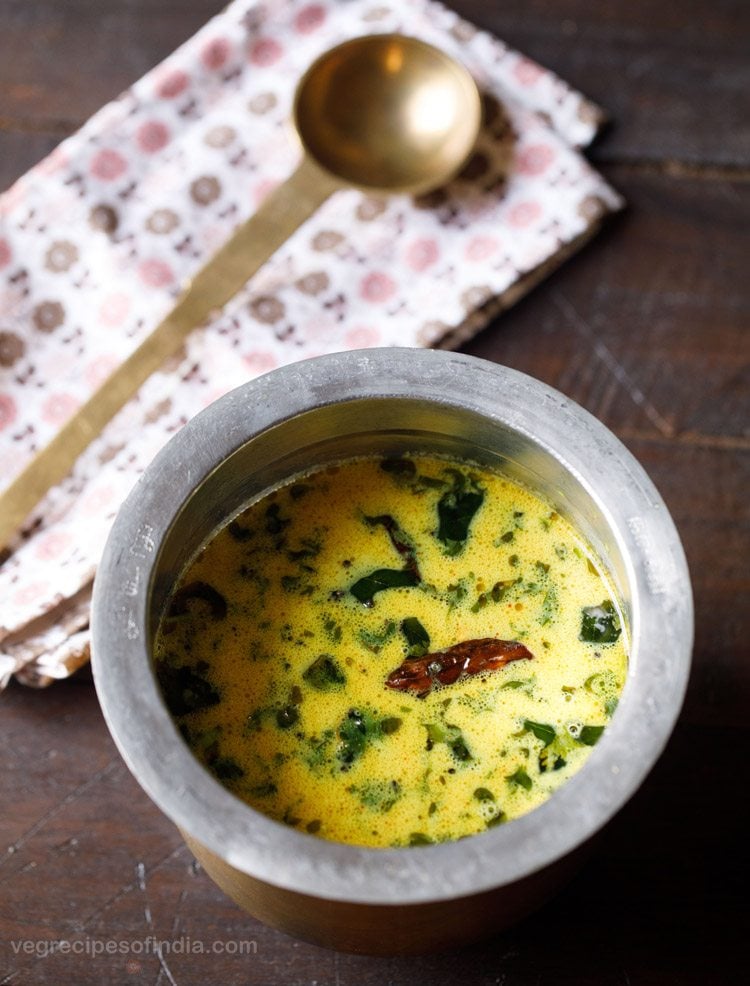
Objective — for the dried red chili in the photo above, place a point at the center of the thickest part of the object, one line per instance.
(462, 660)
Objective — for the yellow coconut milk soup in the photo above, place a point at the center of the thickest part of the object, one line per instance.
(393, 652)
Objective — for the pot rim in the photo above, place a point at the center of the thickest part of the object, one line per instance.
(662, 612)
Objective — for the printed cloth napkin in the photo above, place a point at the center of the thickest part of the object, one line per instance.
(96, 240)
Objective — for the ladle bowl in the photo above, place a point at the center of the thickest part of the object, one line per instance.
(388, 112)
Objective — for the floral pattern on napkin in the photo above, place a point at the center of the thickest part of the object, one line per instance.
(96, 241)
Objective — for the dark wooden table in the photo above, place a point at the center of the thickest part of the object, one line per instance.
(647, 328)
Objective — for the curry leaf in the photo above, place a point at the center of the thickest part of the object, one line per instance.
(589, 735)
(324, 674)
(356, 730)
(366, 588)
(399, 468)
(456, 510)
(417, 637)
(600, 624)
(201, 591)
(520, 778)
(541, 730)
(226, 769)
(287, 717)
(186, 689)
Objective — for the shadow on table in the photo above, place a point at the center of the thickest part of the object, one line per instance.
(658, 902)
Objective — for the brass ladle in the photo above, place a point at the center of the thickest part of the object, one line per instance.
(386, 113)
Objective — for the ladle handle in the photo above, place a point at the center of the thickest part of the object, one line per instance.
(257, 239)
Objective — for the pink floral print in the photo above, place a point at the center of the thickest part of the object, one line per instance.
(133, 205)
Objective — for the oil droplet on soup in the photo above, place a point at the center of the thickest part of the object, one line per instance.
(393, 652)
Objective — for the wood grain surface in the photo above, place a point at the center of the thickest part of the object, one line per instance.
(647, 328)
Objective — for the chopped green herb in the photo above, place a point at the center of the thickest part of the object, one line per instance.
(319, 750)
(420, 839)
(373, 640)
(309, 548)
(238, 532)
(435, 734)
(484, 794)
(367, 587)
(332, 630)
(459, 749)
(205, 741)
(255, 720)
(507, 537)
(404, 473)
(355, 732)
(274, 523)
(379, 795)
(287, 717)
(186, 689)
(313, 827)
(600, 624)
(201, 591)
(290, 818)
(226, 769)
(601, 684)
(542, 730)
(497, 819)
(403, 469)
(264, 790)
(589, 735)
(452, 736)
(549, 606)
(456, 510)
(527, 684)
(495, 594)
(324, 674)
(520, 778)
(417, 637)
(422, 483)
(390, 725)
(456, 592)
(298, 490)
(549, 760)
(610, 705)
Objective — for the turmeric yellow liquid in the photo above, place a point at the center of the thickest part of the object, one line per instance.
(274, 651)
